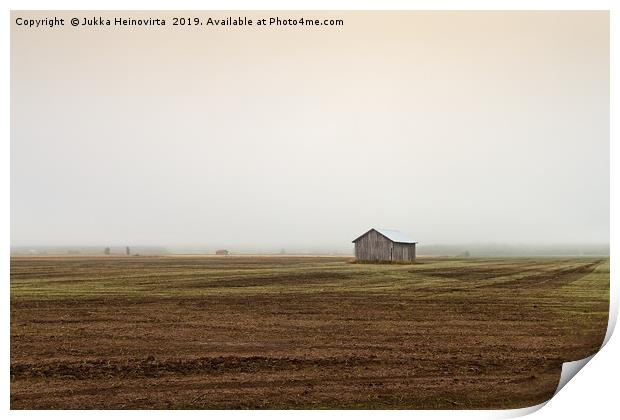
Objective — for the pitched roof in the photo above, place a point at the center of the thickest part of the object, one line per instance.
(393, 235)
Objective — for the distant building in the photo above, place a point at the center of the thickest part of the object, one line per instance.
(222, 252)
(384, 245)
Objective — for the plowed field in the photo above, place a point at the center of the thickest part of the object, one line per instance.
(298, 332)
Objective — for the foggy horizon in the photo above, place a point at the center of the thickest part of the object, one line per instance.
(474, 249)
(343, 244)
(454, 127)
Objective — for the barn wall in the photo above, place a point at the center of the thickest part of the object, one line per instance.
(373, 247)
(403, 252)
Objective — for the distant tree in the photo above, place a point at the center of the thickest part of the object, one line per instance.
(106, 251)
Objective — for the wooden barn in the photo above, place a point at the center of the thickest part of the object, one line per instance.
(384, 245)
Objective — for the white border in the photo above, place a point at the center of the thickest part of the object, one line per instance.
(592, 394)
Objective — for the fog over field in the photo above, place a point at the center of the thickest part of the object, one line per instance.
(457, 128)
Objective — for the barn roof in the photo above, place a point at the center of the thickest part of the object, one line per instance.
(393, 235)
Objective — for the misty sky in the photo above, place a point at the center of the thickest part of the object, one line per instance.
(453, 127)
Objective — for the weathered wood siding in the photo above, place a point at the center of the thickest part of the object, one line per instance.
(403, 252)
(375, 247)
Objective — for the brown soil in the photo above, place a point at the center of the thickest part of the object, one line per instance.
(230, 333)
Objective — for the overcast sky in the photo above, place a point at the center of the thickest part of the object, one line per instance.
(452, 127)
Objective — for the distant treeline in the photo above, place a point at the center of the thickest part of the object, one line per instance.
(467, 250)
(88, 250)
(502, 250)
